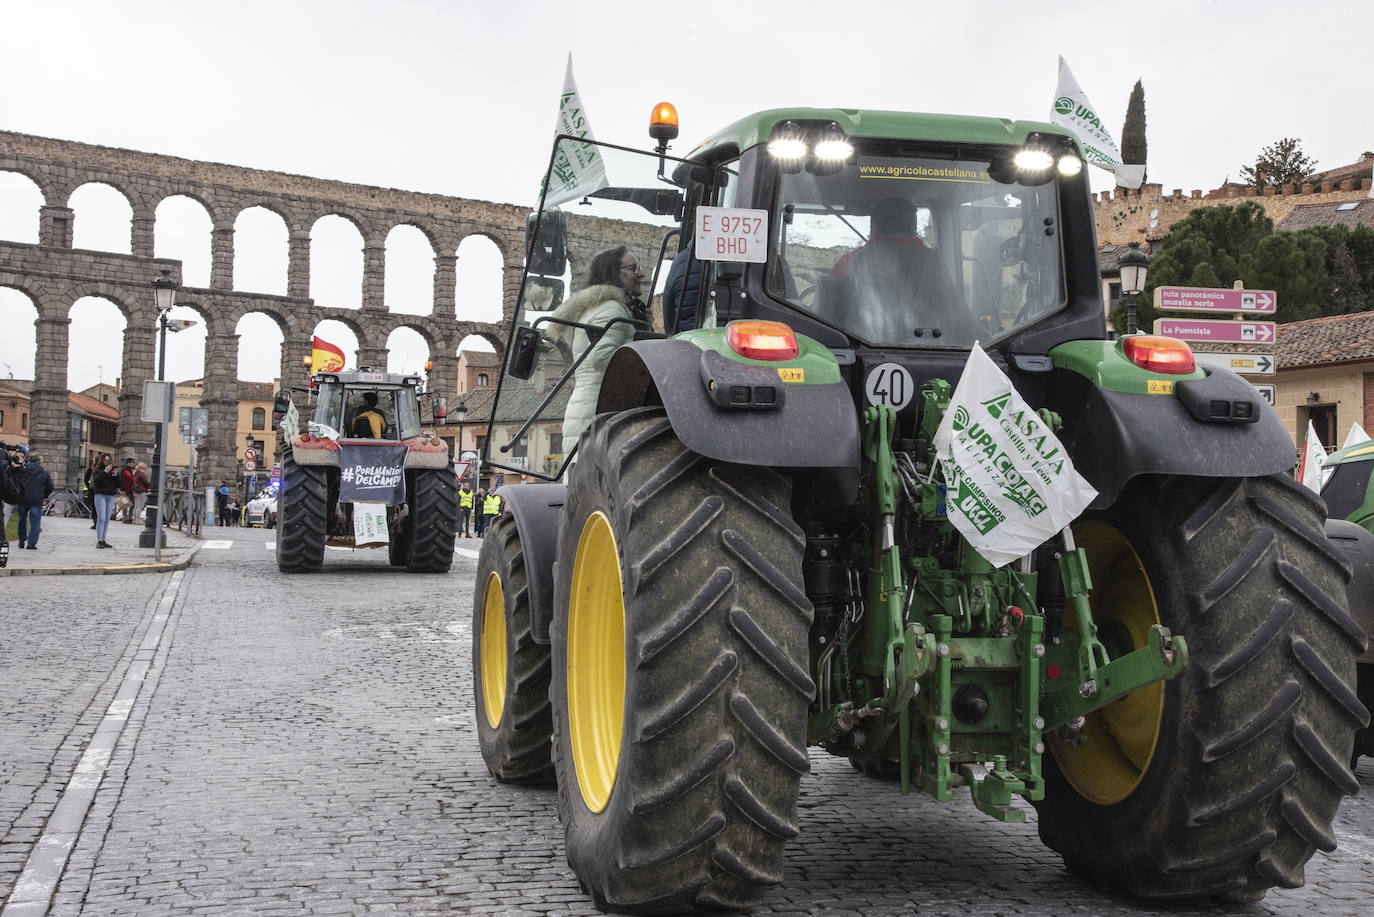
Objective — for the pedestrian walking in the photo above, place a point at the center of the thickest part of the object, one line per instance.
(104, 486)
(222, 503)
(35, 486)
(141, 487)
(9, 493)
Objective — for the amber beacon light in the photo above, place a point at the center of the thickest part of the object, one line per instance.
(663, 123)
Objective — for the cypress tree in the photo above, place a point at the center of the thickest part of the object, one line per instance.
(1133, 146)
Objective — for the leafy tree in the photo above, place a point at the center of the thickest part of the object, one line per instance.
(1133, 146)
(1216, 246)
(1349, 268)
(1280, 163)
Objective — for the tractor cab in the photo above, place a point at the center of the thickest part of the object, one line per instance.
(360, 404)
(866, 233)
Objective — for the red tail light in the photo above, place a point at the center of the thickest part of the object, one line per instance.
(1159, 354)
(762, 340)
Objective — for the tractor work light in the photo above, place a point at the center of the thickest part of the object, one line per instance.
(1159, 354)
(1070, 165)
(788, 147)
(1033, 160)
(834, 147)
(762, 340)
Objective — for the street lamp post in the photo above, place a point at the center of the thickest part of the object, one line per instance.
(1133, 264)
(164, 291)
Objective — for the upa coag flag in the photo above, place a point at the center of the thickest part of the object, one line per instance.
(324, 356)
(372, 473)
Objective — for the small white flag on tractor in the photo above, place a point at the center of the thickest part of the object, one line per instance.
(1313, 457)
(1009, 482)
(1356, 436)
(578, 168)
(1072, 109)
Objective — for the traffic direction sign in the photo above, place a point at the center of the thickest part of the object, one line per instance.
(1247, 364)
(250, 453)
(1202, 329)
(1267, 393)
(1197, 299)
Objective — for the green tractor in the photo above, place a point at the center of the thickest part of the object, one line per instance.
(746, 543)
(1350, 504)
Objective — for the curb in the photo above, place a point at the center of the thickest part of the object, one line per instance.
(113, 570)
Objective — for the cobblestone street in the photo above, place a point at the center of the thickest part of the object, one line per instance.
(305, 745)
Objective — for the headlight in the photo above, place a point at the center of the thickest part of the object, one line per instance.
(1070, 165)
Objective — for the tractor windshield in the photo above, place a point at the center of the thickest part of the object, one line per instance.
(594, 278)
(917, 249)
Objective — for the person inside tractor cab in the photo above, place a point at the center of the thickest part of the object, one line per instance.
(607, 297)
(894, 286)
(369, 422)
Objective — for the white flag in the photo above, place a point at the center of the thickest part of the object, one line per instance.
(1356, 436)
(369, 524)
(1313, 457)
(1009, 483)
(578, 168)
(1072, 109)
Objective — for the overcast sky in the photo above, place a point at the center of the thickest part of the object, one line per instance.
(458, 97)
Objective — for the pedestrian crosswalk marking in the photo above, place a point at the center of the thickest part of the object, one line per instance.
(466, 553)
(217, 545)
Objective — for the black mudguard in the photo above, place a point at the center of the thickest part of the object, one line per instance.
(536, 508)
(1114, 436)
(1357, 546)
(814, 426)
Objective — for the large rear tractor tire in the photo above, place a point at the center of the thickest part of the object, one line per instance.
(433, 520)
(510, 671)
(303, 517)
(680, 674)
(1222, 782)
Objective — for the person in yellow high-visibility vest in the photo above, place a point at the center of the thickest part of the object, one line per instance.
(491, 508)
(464, 509)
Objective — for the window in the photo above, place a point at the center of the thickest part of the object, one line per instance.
(521, 447)
(555, 443)
(259, 419)
(23, 421)
(481, 379)
(2, 418)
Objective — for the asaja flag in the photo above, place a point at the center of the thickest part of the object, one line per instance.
(578, 168)
(1072, 110)
(324, 356)
(1313, 457)
(1356, 436)
(1009, 484)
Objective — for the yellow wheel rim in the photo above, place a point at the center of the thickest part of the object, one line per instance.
(596, 662)
(1122, 736)
(493, 651)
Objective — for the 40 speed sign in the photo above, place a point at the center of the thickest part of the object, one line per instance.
(889, 385)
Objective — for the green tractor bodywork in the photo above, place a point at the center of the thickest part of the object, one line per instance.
(1117, 663)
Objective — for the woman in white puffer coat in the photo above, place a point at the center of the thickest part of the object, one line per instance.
(612, 284)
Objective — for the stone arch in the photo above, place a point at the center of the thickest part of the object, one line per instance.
(81, 338)
(95, 225)
(21, 206)
(424, 339)
(82, 177)
(249, 350)
(480, 279)
(115, 293)
(248, 202)
(328, 236)
(34, 174)
(262, 255)
(19, 352)
(175, 230)
(511, 255)
(409, 282)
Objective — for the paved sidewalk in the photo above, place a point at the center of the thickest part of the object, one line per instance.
(67, 546)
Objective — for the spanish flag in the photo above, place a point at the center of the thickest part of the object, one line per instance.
(325, 357)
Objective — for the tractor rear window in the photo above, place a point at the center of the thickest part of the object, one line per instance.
(919, 251)
(1344, 491)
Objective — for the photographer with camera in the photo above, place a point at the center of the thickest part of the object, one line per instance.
(9, 493)
(34, 485)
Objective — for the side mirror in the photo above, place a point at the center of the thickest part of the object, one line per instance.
(524, 351)
(282, 403)
(439, 407)
(542, 294)
(546, 245)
